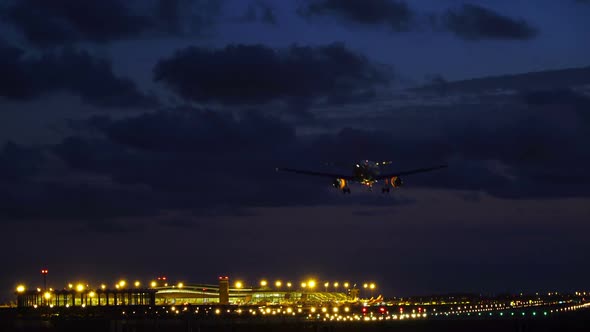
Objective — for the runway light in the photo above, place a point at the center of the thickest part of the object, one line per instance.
(20, 288)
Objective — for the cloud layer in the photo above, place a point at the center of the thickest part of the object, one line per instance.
(472, 22)
(257, 74)
(77, 72)
(391, 13)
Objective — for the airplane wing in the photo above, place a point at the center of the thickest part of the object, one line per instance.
(328, 175)
(413, 171)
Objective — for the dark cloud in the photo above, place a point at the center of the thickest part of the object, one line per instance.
(76, 72)
(395, 14)
(256, 74)
(64, 21)
(61, 22)
(259, 11)
(184, 17)
(472, 22)
(564, 97)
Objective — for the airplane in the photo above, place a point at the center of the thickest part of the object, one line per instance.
(366, 173)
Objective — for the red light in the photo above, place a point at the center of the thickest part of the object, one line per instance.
(364, 309)
(382, 309)
(419, 309)
(44, 271)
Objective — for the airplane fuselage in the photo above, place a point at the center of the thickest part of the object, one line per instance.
(366, 172)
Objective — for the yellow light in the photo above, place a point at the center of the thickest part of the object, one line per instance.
(79, 287)
(311, 283)
(365, 285)
(278, 283)
(326, 284)
(92, 294)
(122, 283)
(153, 284)
(372, 286)
(137, 283)
(346, 285)
(103, 286)
(70, 286)
(47, 295)
(336, 284)
(117, 286)
(180, 285)
(289, 284)
(239, 284)
(20, 288)
(263, 283)
(303, 285)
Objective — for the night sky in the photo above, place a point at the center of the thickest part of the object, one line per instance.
(140, 138)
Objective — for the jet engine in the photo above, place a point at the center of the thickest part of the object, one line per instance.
(394, 181)
(341, 184)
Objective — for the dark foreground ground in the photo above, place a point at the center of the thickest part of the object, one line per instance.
(10, 321)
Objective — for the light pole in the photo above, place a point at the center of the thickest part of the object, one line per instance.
(44, 274)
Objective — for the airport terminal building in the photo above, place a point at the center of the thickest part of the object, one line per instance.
(162, 293)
